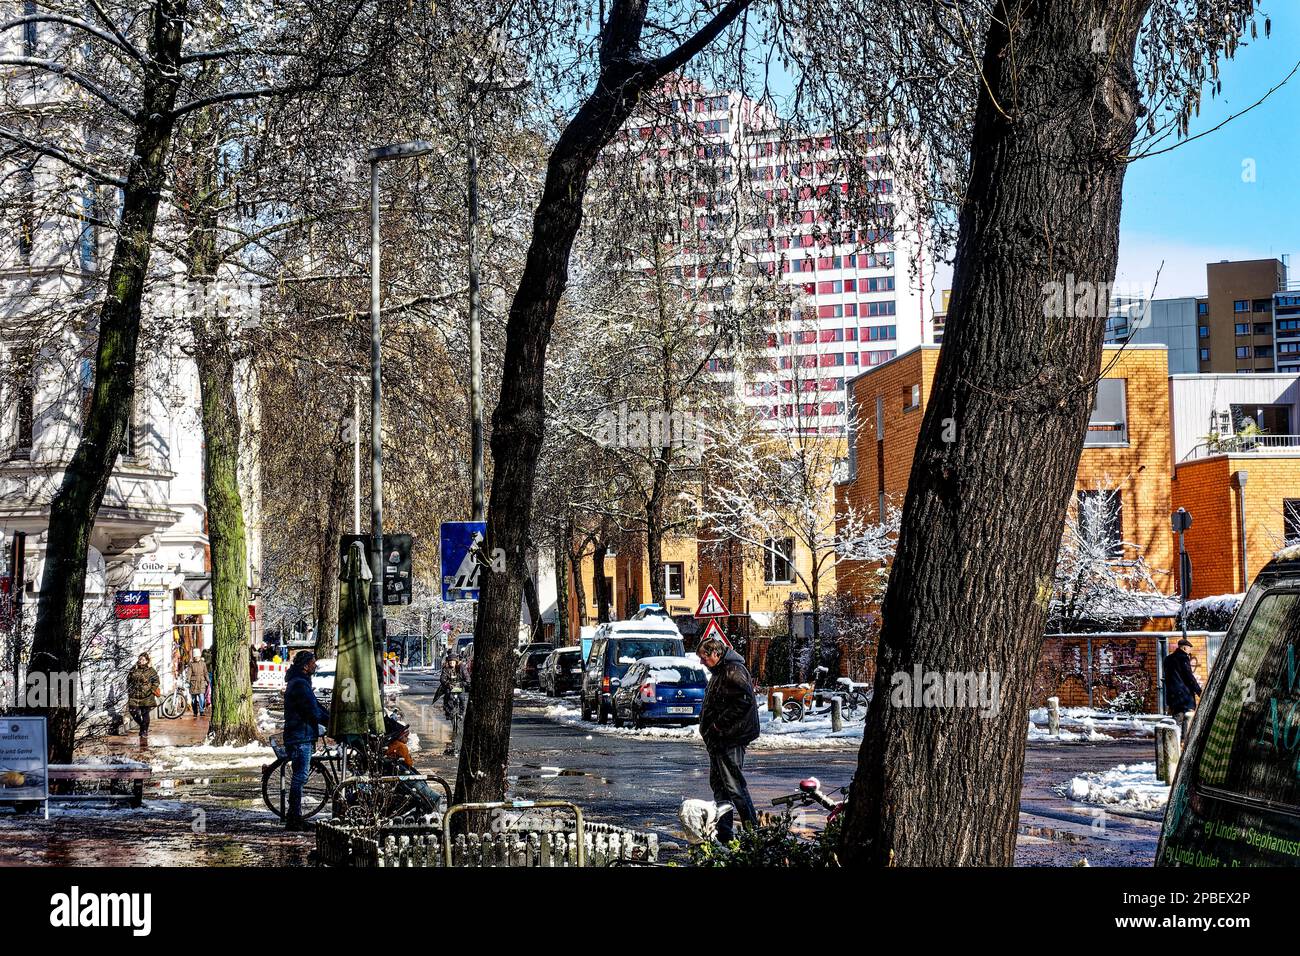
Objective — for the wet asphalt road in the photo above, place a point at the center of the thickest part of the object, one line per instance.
(217, 818)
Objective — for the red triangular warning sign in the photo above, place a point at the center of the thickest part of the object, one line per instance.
(711, 604)
(715, 630)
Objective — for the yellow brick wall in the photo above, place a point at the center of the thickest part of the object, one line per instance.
(1206, 489)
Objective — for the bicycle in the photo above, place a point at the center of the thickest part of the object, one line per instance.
(455, 707)
(808, 699)
(809, 794)
(175, 704)
(324, 774)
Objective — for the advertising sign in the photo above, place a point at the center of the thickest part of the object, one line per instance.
(131, 605)
(24, 760)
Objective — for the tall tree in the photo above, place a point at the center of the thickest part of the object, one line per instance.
(625, 73)
(1060, 98)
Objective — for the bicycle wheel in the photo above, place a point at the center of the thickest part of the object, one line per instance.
(170, 707)
(276, 780)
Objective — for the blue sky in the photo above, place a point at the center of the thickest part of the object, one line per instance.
(1191, 206)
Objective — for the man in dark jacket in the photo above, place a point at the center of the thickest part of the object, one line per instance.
(302, 715)
(1181, 687)
(728, 724)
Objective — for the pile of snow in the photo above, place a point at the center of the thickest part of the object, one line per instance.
(1128, 786)
(1087, 732)
(1090, 723)
(265, 722)
(205, 757)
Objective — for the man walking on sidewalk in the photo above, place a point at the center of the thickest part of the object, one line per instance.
(1181, 687)
(728, 724)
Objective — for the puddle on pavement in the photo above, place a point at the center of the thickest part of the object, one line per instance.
(552, 773)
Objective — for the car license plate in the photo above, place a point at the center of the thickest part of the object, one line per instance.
(681, 710)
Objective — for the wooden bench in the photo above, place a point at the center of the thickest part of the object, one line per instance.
(137, 773)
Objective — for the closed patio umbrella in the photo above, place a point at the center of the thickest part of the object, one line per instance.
(358, 706)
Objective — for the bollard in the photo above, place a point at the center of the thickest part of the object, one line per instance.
(777, 699)
(1168, 750)
(1054, 716)
(837, 719)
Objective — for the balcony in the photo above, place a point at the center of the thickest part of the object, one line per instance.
(1276, 445)
(135, 502)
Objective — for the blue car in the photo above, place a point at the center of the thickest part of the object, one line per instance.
(661, 690)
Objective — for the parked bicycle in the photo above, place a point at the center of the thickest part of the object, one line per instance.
(803, 700)
(177, 703)
(325, 772)
(810, 794)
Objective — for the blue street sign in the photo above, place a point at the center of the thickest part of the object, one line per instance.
(461, 560)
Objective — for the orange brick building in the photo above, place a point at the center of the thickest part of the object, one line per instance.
(1208, 488)
(1128, 448)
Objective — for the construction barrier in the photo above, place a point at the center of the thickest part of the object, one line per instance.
(270, 676)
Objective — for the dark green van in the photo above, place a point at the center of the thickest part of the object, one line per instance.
(1236, 798)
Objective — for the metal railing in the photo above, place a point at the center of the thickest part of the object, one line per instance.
(1246, 445)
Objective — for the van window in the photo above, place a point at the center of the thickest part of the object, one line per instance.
(632, 649)
(1252, 745)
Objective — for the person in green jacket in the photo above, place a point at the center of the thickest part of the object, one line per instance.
(142, 692)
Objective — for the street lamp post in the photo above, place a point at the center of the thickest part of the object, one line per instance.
(374, 157)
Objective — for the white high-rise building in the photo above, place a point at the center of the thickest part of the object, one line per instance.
(854, 293)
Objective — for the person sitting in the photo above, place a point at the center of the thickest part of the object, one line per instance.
(398, 752)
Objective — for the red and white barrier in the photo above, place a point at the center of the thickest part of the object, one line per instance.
(392, 674)
(270, 676)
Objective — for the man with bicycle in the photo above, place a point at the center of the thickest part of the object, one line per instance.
(303, 714)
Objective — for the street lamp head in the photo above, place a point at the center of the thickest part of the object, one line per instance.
(414, 148)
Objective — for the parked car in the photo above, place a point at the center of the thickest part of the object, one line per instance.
(530, 659)
(561, 672)
(661, 690)
(322, 679)
(1235, 800)
(618, 645)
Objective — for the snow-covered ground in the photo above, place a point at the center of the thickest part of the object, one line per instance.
(811, 732)
(1128, 786)
(202, 758)
(1081, 724)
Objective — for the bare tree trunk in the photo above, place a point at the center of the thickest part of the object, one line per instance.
(517, 423)
(579, 585)
(602, 587)
(327, 590)
(561, 557)
(56, 646)
(940, 785)
(533, 604)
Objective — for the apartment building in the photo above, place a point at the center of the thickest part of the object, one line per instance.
(855, 288)
(150, 533)
(1235, 319)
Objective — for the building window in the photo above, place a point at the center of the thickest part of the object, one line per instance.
(1205, 355)
(1202, 308)
(1291, 520)
(1243, 351)
(1108, 424)
(1204, 331)
(911, 397)
(30, 35)
(1241, 305)
(1241, 328)
(778, 564)
(24, 386)
(1101, 521)
(674, 575)
(26, 214)
(1262, 305)
(880, 418)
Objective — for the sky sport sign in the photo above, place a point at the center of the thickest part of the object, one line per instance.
(131, 605)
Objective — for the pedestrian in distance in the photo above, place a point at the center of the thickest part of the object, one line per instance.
(198, 674)
(303, 714)
(728, 724)
(1181, 687)
(143, 690)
